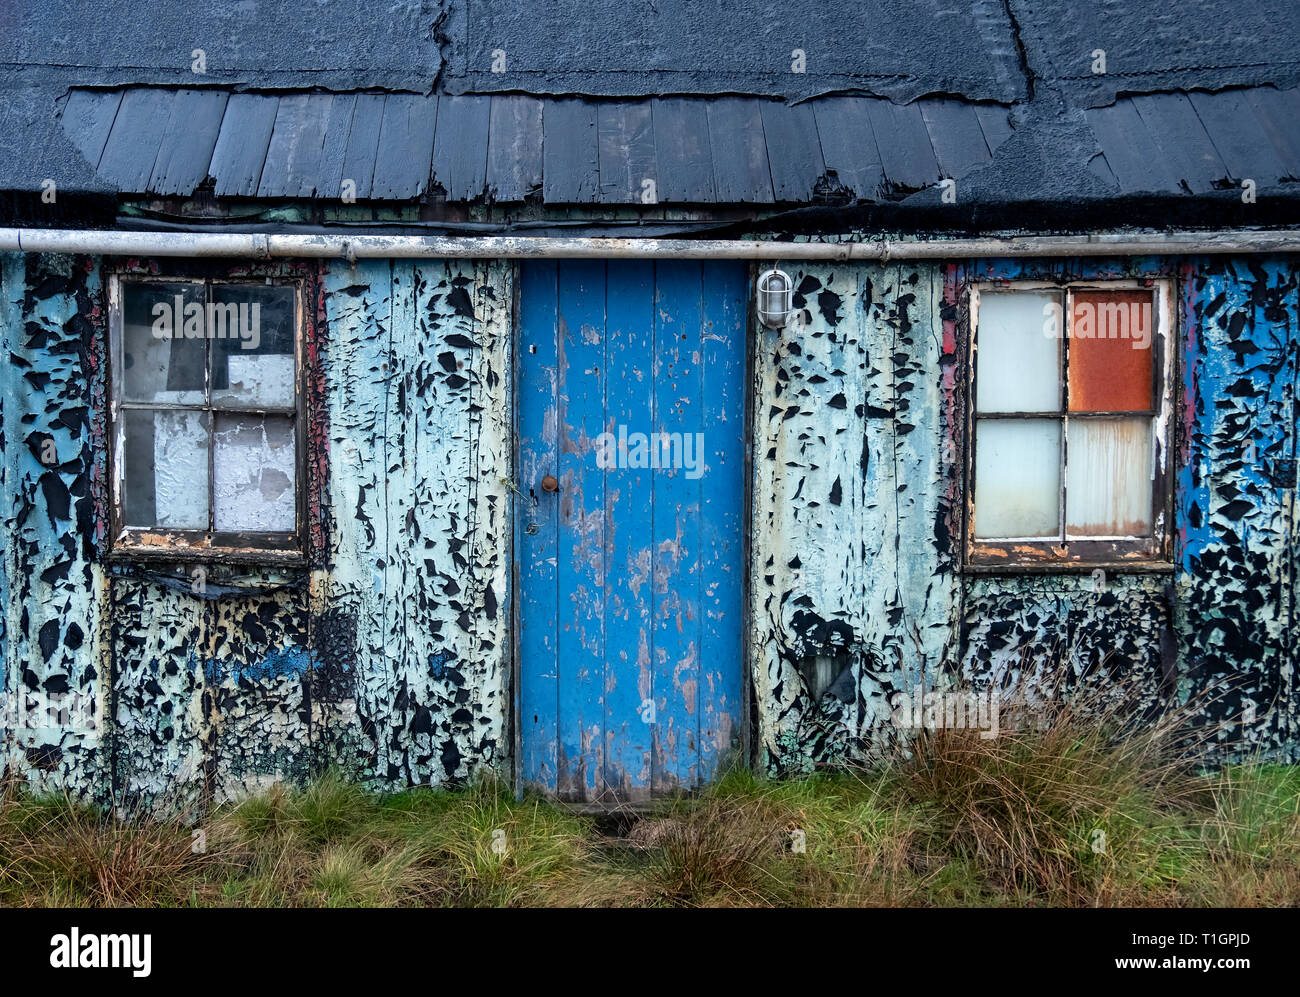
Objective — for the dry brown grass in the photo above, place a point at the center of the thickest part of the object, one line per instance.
(1075, 803)
(1071, 803)
(55, 852)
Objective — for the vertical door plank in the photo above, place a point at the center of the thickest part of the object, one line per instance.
(404, 581)
(629, 601)
(359, 310)
(676, 528)
(538, 524)
(581, 548)
(720, 711)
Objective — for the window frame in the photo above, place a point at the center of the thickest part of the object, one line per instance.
(1153, 552)
(170, 545)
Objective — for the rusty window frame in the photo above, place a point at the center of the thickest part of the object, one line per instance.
(170, 545)
(1150, 552)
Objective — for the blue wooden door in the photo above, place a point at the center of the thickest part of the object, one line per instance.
(631, 398)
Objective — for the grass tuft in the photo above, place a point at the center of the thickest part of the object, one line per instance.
(1083, 806)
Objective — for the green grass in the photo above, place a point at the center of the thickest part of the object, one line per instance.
(1086, 797)
(959, 822)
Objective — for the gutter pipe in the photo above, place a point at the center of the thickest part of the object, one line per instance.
(354, 247)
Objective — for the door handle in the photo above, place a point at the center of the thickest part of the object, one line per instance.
(550, 484)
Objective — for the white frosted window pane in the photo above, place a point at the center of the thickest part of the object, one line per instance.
(253, 473)
(166, 466)
(1017, 478)
(1017, 352)
(164, 349)
(1108, 478)
(258, 381)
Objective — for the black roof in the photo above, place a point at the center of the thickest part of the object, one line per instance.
(580, 103)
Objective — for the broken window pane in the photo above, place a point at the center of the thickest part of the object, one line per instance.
(164, 348)
(1109, 478)
(253, 473)
(166, 469)
(1111, 351)
(1018, 345)
(187, 348)
(1017, 478)
(253, 345)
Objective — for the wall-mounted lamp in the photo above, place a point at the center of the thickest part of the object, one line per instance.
(774, 294)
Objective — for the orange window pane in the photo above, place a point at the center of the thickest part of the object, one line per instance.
(1112, 342)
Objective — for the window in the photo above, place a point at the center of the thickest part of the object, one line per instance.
(206, 418)
(1070, 416)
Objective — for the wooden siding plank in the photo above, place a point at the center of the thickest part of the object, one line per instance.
(481, 730)
(1182, 140)
(924, 477)
(405, 151)
(412, 580)
(327, 178)
(363, 143)
(903, 143)
(740, 169)
(133, 141)
(358, 310)
(849, 145)
(461, 146)
(53, 634)
(12, 266)
(514, 157)
(626, 147)
(1239, 137)
(185, 152)
(794, 150)
(571, 169)
(682, 150)
(240, 152)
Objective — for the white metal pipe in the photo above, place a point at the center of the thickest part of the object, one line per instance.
(324, 246)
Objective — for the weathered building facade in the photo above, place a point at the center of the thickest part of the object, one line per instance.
(589, 521)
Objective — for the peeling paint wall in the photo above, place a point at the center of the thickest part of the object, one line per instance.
(52, 584)
(388, 655)
(418, 362)
(1236, 595)
(854, 594)
(858, 591)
